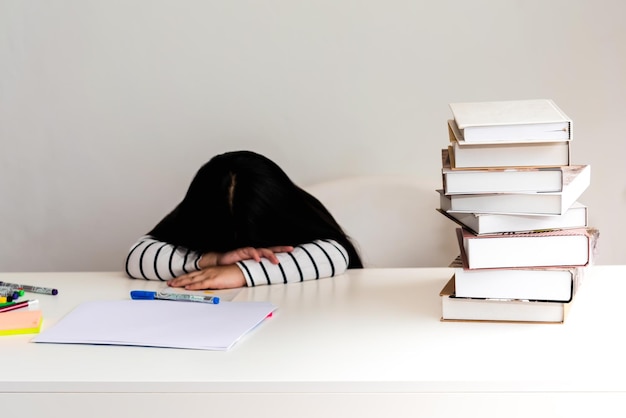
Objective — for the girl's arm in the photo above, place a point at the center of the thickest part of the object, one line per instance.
(151, 259)
(315, 260)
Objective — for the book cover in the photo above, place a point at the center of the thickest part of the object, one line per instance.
(513, 120)
(513, 154)
(493, 223)
(554, 284)
(575, 182)
(21, 321)
(565, 247)
(455, 308)
(504, 179)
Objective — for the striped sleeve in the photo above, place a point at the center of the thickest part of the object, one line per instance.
(316, 260)
(151, 259)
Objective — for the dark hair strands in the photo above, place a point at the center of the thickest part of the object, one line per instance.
(241, 199)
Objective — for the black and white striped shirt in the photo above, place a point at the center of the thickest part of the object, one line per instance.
(151, 259)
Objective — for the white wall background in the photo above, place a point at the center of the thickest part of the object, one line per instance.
(108, 108)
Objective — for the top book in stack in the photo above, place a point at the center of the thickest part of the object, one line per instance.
(511, 121)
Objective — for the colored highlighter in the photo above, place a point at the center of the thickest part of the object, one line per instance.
(184, 297)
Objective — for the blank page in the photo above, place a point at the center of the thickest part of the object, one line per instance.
(158, 323)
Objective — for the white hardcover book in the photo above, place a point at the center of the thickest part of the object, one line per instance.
(564, 247)
(455, 308)
(552, 203)
(511, 121)
(546, 284)
(512, 154)
(503, 180)
(494, 223)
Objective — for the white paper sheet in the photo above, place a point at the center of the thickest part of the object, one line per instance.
(158, 323)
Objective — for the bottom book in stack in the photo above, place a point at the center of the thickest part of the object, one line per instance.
(455, 308)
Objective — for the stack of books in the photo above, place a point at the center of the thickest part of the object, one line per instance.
(524, 239)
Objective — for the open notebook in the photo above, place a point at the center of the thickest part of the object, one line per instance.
(158, 323)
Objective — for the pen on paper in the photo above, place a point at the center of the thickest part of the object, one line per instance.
(18, 305)
(149, 295)
(31, 289)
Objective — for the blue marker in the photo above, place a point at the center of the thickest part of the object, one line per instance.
(149, 295)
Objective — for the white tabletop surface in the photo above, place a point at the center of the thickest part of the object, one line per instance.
(372, 330)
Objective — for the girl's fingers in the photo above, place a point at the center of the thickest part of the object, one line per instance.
(253, 253)
(186, 279)
(281, 249)
(270, 252)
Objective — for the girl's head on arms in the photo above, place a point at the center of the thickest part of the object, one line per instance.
(243, 199)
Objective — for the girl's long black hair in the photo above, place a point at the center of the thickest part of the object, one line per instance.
(243, 199)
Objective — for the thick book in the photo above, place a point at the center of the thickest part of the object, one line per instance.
(454, 308)
(548, 284)
(505, 179)
(512, 121)
(515, 154)
(563, 247)
(543, 203)
(493, 223)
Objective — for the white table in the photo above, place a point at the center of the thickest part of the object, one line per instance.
(368, 343)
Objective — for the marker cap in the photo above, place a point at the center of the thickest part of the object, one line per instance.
(142, 295)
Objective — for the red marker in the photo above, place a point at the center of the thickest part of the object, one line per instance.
(18, 305)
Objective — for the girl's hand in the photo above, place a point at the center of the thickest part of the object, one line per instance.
(219, 277)
(246, 253)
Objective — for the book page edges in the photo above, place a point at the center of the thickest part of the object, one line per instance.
(455, 134)
(565, 118)
(504, 321)
(448, 291)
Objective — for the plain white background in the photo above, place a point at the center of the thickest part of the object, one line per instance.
(108, 108)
